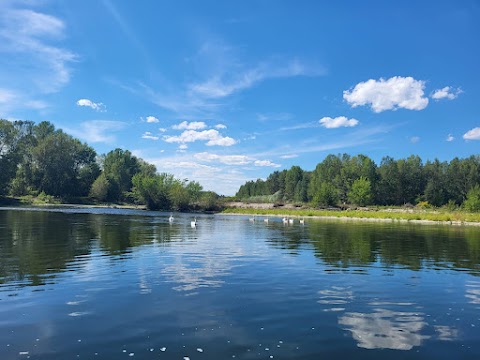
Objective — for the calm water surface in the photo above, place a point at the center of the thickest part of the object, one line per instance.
(117, 284)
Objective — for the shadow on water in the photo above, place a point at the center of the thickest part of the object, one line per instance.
(390, 245)
(36, 245)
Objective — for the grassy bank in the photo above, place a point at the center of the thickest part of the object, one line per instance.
(457, 217)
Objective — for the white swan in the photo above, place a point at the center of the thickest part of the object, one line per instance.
(266, 219)
(252, 219)
(290, 221)
(171, 218)
(193, 223)
(302, 221)
(285, 220)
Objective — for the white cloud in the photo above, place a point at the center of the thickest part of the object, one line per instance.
(149, 135)
(391, 94)
(414, 139)
(233, 159)
(340, 121)
(220, 126)
(194, 125)
(91, 104)
(265, 163)
(225, 83)
(224, 159)
(446, 93)
(152, 119)
(28, 54)
(212, 137)
(473, 134)
(97, 130)
(183, 147)
(289, 156)
(162, 130)
(450, 137)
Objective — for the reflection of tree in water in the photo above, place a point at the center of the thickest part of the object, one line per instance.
(36, 245)
(356, 244)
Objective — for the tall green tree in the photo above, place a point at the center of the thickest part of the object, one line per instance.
(361, 192)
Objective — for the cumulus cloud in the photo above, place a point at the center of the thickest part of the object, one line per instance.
(473, 134)
(450, 137)
(194, 125)
(91, 104)
(162, 130)
(152, 119)
(391, 94)
(340, 121)
(183, 146)
(220, 126)
(149, 135)
(446, 93)
(212, 137)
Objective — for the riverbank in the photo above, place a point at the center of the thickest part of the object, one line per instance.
(419, 216)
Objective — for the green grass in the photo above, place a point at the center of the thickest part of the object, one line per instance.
(432, 215)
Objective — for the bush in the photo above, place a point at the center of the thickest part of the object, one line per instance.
(472, 202)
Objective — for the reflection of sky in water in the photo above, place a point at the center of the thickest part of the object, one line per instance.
(385, 329)
(472, 292)
(337, 296)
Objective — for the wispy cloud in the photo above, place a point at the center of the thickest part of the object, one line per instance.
(91, 104)
(395, 93)
(340, 121)
(31, 61)
(447, 92)
(289, 156)
(414, 139)
(149, 135)
(97, 131)
(233, 159)
(29, 56)
(450, 138)
(226, 83)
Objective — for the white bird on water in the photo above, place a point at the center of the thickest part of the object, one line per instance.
(252, 219)
(266, 219)
(193, 223)
(302, 221)
(171, 218)
(290, 221)
(285, 220)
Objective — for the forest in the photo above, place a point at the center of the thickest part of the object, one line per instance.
(356, 180)
(37, 160)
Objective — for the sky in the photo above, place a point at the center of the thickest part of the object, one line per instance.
(223, 92)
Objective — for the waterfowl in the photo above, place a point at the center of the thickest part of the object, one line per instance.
(193, 223)
(171, 218)
(302, 221)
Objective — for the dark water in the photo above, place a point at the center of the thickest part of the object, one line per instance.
(115, 284)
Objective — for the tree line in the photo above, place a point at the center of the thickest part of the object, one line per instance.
(344, 179)
(40, 160)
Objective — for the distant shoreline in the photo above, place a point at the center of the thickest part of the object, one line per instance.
(393, 215)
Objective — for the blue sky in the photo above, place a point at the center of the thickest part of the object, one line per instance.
(222, 92)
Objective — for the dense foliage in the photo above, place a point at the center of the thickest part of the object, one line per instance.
(39, 160)
(345, 179)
